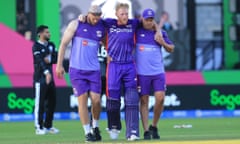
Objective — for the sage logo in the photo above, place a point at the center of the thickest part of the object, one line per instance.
(27, 104)
(230, 101)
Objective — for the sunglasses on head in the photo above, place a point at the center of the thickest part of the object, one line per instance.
(97, 14)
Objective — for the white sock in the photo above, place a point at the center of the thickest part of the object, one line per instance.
(94, 123)
(86, 128)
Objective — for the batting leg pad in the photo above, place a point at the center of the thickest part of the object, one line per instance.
(132, 112)
(113, 114)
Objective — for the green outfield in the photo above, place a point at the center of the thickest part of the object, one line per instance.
(208, 130)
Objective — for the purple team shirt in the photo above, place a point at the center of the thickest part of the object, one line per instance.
(149, 59)
(121, 40)
(85, 44)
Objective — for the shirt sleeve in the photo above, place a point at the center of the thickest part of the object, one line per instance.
(166, 38)
(137, 23)
(39, 60)
(108, 21)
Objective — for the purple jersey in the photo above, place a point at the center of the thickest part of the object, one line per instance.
(85, 44)
(120, 40)
(149, 59)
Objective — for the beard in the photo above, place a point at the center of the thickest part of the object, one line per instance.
(47, 38)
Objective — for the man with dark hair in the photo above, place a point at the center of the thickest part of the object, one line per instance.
(44, 55)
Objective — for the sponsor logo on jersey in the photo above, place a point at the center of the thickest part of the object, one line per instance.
(118, 30)
(141, 48)
(84, 42)
(99, 33)
(50, 48)
(129, 26)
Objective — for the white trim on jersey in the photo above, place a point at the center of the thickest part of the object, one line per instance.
(37, 100)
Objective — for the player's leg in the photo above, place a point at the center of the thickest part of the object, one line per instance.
(39, 90)
(132, 114)
(159, 87)
(83, 112)
(94, 79)
(51, 104)
(158, 107)
(144, 111)
(84, 117)
(80, 89)
(96, 109)
(131, 100)
(144, 84)
(95, 90)
(113, 88)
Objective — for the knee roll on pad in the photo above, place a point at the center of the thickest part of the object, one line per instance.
(131, 97)
(132, 112)
(113, 105)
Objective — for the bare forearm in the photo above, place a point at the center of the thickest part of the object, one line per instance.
(168, 47)
(61, 54)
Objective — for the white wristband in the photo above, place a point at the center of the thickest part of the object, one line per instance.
(46, 72)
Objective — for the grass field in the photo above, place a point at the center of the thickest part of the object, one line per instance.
(215, 131)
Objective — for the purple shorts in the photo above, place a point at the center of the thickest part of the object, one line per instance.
(84, 81)
(120, 74)
(157, 82)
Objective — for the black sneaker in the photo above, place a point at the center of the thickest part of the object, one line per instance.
(90, 137)
(154, 132)
(96, 133)
(147, 135)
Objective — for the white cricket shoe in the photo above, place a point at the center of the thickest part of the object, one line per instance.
(133, 138)
(52, 130)
(39, 131)
(114, 133)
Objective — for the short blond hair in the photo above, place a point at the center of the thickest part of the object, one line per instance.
(121, 5)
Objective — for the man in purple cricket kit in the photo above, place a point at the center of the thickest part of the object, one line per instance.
(121, 70)
(84, 66)
(150, 70)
